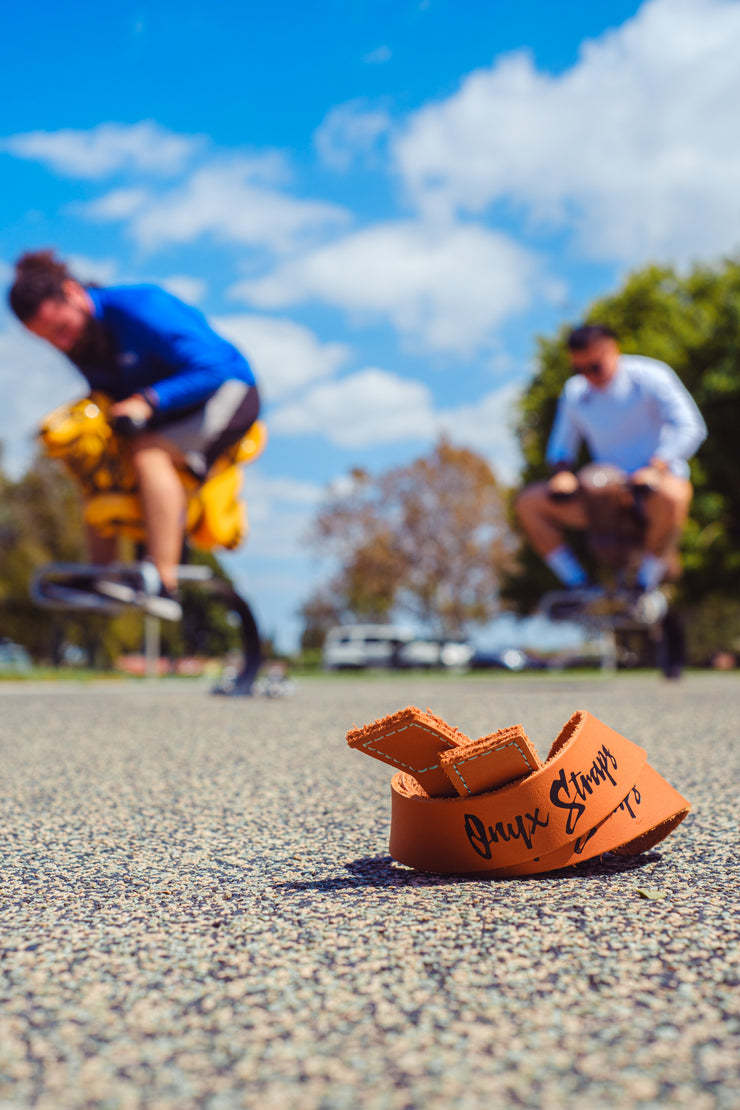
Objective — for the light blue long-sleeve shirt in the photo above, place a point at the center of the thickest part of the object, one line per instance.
(644, 412)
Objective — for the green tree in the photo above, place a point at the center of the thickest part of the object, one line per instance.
(692, 322)
(430, 539)
(40, 521)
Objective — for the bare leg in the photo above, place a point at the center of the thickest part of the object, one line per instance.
(666, 511)
(545, 520)
(163, 505)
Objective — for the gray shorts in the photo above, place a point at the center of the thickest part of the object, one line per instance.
(205, 432)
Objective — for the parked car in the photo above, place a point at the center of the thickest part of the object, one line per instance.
(14, 659)
(435, 653)
(354, 646)
(510, 659)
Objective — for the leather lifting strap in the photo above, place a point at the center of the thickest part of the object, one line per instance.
(491, 806)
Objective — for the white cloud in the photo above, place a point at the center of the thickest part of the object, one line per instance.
(371, 406)
(103, 271)
(235, 201)
(106, 149)
(487, 426)
(445, 288)
(635, 146)
(374, 406)
(350, 131)
(280, 509)
(120, 204)
(34, 379)
(189, 289)
(378, 56)
(268, 492)
(285, 356)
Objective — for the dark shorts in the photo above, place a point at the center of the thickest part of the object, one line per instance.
(207, 431)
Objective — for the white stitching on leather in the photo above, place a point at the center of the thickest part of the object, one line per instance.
(479, 755)
(407, 766)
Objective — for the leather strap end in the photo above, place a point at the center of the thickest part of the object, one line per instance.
(491, 762)
(653, 836)
(648, 814)
(411, 740)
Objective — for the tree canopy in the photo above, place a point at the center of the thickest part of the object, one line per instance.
(429, 539)
(40, 522)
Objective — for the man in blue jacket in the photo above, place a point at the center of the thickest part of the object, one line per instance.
(190, 392)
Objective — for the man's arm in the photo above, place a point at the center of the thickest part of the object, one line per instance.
(136, 407)
(198, 370)
(195, 360)
(565, 437)
(682, 428)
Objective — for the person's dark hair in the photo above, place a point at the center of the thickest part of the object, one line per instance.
(582, 337)
(39, 276)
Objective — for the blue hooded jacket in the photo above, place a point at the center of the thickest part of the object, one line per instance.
(161, 347)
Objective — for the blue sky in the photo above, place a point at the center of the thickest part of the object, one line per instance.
(381, 201)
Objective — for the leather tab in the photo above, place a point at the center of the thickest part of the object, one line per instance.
(511, 814)
(412, 741)
(491, 762)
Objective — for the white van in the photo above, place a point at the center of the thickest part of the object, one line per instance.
(388, 645)
(364, 645)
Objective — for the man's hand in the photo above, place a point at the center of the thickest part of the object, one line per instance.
(562, 484)
(136, 407)
(649, 476)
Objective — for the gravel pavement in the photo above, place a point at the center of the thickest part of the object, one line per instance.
(197, 909)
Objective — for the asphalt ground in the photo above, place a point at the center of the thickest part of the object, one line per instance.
(198, 909)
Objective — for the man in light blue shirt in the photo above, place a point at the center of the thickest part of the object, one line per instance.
(633, 413)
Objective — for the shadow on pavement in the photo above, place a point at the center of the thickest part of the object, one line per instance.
(383, 871)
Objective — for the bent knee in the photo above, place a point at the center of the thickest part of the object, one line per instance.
(149, 449)
(531, 500)
(676, 492)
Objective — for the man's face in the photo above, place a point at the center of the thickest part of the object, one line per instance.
(63, 323)
(598, 362)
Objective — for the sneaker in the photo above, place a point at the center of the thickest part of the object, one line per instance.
(116, 590)
(649, 607)
(163, 605)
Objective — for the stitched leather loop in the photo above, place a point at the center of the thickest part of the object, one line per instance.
(595, 793)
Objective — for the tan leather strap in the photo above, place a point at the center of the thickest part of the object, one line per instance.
(491, 805)
(650, 811)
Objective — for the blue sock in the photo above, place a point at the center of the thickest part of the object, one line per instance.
(564, 564)
(652, 571)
